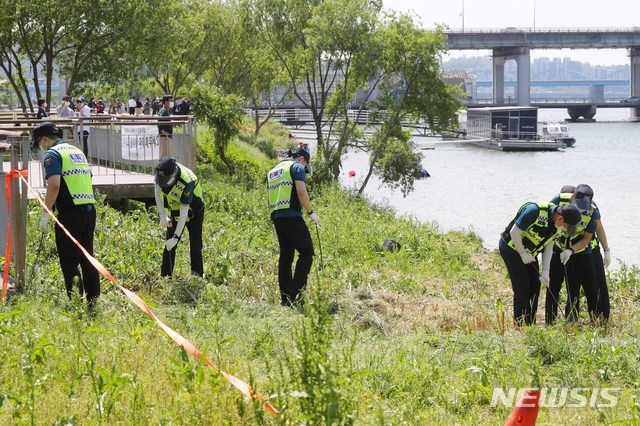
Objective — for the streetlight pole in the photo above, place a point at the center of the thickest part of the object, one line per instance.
(462, 15)
(534, 15)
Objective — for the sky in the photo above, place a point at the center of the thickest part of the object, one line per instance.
(549, 14)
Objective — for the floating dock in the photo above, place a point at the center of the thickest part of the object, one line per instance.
(518, 145)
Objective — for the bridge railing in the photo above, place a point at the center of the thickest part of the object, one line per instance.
(541, 30)
(549, 101)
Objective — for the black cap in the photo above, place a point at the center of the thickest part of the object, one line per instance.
(164, 170)
(300, 152)
(570, 214)
(567, 189)
(46, 128)
(583, 196)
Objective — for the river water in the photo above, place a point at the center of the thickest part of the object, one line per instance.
(479, 189)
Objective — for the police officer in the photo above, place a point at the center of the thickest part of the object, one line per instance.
(530, 232)
(287, 193)
(70, 192)
(573, 259)
(178, 189)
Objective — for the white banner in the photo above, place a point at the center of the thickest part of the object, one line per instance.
(140, 143)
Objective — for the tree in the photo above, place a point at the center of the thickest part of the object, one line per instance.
(333, 50)
(223, 113)
(173, 45)
(411, 94)
(73, 35)
(327, 49)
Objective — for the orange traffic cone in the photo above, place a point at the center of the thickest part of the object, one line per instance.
(526, 411)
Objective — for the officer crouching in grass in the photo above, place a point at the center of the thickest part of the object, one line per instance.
(530, 232)
(287, 193)
(178, 189)
(70, 192)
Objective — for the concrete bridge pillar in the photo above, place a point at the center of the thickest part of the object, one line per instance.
(596, 92)
(587, 112)
(498, 79)
(524, 78)
(522, 57)
(634, 56)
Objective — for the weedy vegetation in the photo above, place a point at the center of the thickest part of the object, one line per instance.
(417, 336)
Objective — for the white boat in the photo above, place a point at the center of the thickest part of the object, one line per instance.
(557, 131)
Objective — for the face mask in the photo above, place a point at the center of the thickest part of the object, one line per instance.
(171, 104)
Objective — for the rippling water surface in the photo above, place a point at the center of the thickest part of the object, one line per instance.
(481, 189)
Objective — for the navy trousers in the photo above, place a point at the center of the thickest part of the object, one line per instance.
(293, 235)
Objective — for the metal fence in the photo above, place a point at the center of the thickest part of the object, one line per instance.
(116, 144)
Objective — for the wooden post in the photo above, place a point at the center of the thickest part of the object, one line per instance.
(18, 215)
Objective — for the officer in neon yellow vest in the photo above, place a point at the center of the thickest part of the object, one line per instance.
(70, 193)
(529, 233)
(287, 196)
(573, 260)
(178, 190)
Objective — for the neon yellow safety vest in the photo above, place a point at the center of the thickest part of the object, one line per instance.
(561, 242)
(76, 173)
(535, 237)
(173, 194)
(280, 186)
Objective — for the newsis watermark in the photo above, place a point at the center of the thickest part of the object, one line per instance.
(558, 397)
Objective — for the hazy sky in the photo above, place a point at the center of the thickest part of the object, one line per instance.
(566, 14)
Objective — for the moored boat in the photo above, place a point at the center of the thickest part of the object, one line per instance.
(557, 131)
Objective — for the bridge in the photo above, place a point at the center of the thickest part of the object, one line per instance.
(516, 44)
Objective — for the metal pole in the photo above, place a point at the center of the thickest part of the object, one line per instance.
(462, 15)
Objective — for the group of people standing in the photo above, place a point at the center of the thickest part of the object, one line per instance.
(180, 204)
(567, 231)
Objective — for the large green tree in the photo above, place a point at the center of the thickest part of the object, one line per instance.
(171, 45)
(73, 35)
(327, 50)
(334, 50)
(411, 94)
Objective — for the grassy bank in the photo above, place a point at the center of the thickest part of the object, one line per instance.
(420, 336)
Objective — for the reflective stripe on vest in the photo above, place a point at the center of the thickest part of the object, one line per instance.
(174, 193)
(585, 218)
(280, 186)
(538, 233)
(76, 173)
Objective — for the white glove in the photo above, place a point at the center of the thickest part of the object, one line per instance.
(607, 258)
(544, 278)
(314, 217)
(171, 243)
(565, 255)
(165, 221)
(44, 220)
(527, 257)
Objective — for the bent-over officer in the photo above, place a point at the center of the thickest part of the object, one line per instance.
(70, 193)
(573, 260)
(530, 232)
(178, 189)
(287, 193)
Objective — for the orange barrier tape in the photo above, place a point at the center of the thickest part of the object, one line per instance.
(7, 189)
(242, 386)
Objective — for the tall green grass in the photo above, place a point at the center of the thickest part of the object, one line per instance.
(413, 337)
